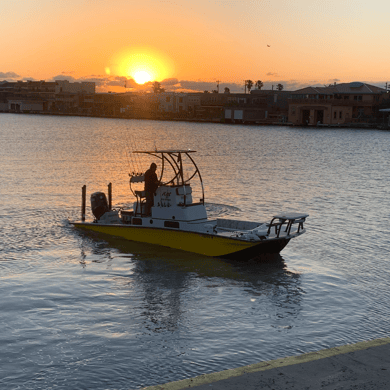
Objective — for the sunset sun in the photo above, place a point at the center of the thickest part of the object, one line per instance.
(142, 77)
(143, 64)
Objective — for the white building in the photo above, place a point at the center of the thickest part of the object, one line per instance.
(64, 86)
(172, 102)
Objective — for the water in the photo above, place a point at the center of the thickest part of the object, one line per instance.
(83, 312)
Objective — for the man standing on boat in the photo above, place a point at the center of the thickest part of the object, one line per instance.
(151, 185)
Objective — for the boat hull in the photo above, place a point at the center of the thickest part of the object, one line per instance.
(258, 249)
(205, 244)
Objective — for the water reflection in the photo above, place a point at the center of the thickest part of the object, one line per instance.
(84, 313)
(166, 280)
(162, 289)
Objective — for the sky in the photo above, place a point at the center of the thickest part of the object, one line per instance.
(189, 45)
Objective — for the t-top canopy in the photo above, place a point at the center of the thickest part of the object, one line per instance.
(165, 151)
(291, 215)
(174, 158)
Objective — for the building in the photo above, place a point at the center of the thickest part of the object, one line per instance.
(336, 104)
(27, 96)
(193, 101)
(244, 108)
(64, 86)
(276, 102)
(41, 96)
(25, 106)
(170, 103)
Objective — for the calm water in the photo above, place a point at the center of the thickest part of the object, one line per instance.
(81, 312)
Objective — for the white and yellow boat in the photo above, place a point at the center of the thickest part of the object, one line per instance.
(178, 222)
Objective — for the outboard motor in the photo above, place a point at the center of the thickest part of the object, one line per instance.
(99, 204)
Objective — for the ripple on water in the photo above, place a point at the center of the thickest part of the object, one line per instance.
(82, 311)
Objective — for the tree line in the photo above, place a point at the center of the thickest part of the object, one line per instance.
(258, 85)
(247, 83)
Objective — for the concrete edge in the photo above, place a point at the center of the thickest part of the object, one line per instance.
(262, 366)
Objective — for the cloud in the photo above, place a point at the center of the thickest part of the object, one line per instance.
(29, 79)
(106, 83)
(8, 75)
(114, 81)
(102, 82)
(171, 81)
(71, 79)
(200, 86)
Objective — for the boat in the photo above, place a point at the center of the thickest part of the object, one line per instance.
(179, 220)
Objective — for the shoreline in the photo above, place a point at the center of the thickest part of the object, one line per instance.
(366, 362)
(374, 126)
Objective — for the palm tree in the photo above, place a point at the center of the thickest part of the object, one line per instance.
(259, 84)
(157, 87)
(279, 87)
(249, 85)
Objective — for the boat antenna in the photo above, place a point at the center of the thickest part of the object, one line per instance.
(127, 156)
(137, 160)
(127, 149)
(139, 157)
(131, 160)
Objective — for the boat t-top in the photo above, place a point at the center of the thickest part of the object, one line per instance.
(178, 219)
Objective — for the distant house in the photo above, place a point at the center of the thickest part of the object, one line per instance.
(171, 102)
(337, 104)
(244, 108)
(27, 96)
(276, 104)
(38, 96)
(64, 86)
(25, 106)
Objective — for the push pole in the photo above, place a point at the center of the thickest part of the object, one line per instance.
(83, 198)
(110, 196)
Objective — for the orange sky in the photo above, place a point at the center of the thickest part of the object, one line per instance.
(197, 42)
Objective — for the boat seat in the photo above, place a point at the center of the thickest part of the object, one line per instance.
(141, 202)
(141, 194)
(137, 179)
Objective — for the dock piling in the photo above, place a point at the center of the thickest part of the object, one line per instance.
(83, 201)
(109, 196)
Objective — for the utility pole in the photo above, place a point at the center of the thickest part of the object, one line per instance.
(245, 86)
(218, 81)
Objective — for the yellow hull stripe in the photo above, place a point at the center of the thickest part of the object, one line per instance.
(204, 244)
